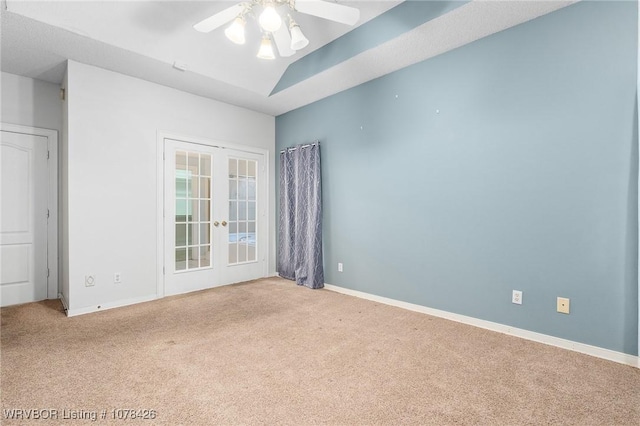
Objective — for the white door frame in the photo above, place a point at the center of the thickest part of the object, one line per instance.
(52, 201)
(160, 137)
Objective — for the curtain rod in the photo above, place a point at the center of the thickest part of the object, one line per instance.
(293, 148)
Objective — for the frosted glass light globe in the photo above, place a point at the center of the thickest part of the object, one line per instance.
(235, 32)
(269, 19)
(266, 50)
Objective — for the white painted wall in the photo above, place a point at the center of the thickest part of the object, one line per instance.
(30, 102)
(111, 164)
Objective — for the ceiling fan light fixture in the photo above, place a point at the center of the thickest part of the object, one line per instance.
(298, 40)
(269, 19)
(266, 50)
(277, 26)
(235, 32)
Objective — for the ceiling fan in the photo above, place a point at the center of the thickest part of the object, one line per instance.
(269, 13)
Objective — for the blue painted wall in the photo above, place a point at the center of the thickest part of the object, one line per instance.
(509, 163)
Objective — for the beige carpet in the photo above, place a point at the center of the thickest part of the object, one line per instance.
(269, 352)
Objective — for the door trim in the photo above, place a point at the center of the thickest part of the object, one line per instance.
(53, 291)
(160, 137)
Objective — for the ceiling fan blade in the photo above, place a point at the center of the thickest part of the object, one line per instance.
(219, 19)
(283, 42)
(332, 11)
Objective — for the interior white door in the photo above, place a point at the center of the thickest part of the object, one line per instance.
(189, 203)
(214, 218)
(23, 224)
(242, 216)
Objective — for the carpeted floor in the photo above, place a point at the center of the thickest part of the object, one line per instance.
(269, 352)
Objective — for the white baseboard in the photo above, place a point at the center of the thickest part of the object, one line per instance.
(105, 306)
(603, 353)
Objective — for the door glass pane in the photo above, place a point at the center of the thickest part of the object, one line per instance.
(242, 210)
(181, 235)
(233, 253)
(194, 257)
(251, 189)
(181, 183)
(205, 187)
(242, 189)
(205, 257)
(251, 240)
(181, 210)
(233, 210)
(205, 233)
(205, 164)
(181, 160)
(233, 189)
(181, 259)
(189, 210)
(194, 162)
(194, 187)
(193, 211)
(205, 209)
(233, 168)
(192, 234)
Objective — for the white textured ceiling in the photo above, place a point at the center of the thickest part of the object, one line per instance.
(144, 38)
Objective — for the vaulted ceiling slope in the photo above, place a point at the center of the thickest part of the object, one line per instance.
(144, 39)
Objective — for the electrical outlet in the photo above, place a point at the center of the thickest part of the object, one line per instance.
(339, 267)
(516, 297)
(89, 280)
(117, 278)
(563, 305)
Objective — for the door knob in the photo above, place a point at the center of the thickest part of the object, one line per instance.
(216, 223)
(224, 223)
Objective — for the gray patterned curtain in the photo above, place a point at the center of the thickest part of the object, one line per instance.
(300, 221)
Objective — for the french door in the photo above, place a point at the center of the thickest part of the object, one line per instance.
(215, 226)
